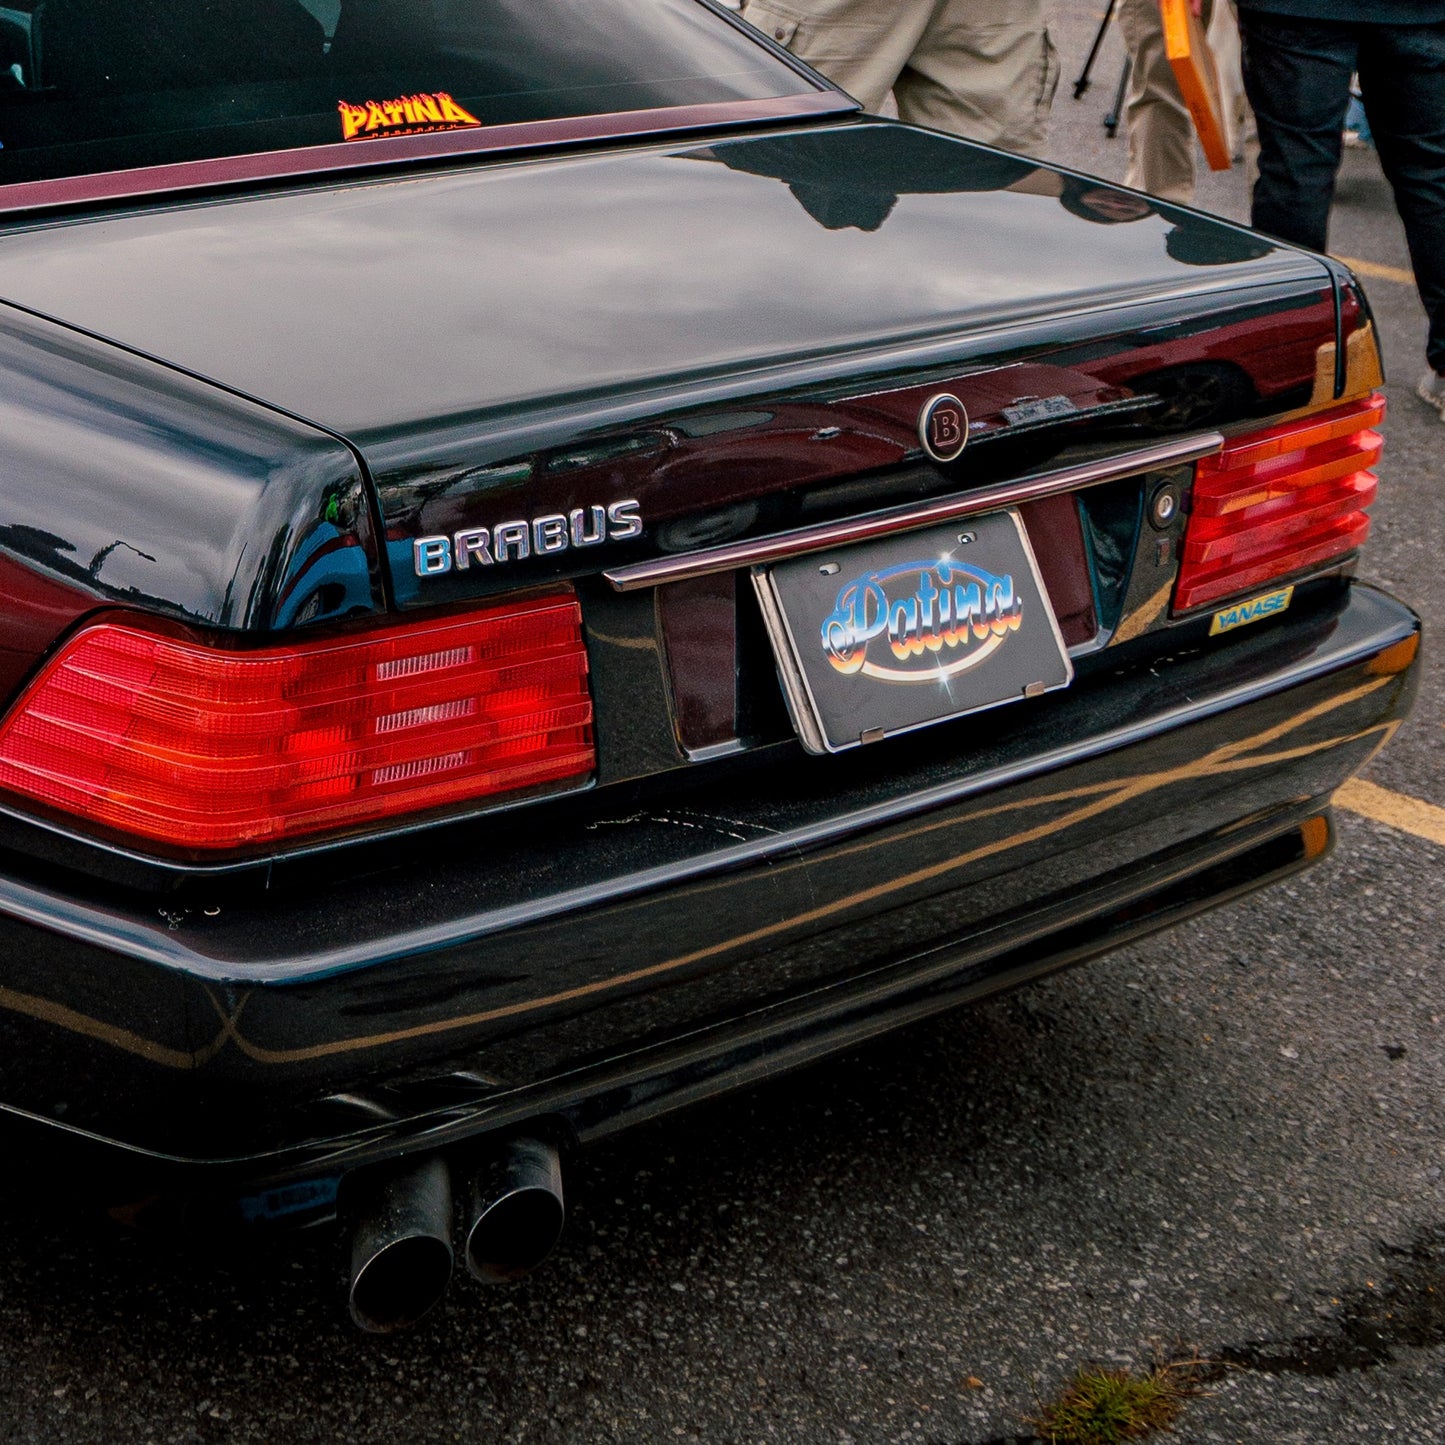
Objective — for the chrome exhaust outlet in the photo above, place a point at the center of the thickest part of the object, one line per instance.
(516, 1213)
(401, 1245)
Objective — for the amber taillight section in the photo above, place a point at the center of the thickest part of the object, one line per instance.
(1280, 501)
(204, 748)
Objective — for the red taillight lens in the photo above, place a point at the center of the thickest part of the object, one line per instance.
(198, 747)
(1280, 501)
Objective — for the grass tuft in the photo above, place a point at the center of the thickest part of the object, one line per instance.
(1108, 1407)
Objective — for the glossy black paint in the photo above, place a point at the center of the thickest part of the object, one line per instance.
(208, 407)
(405, 310)
(733, 333)
(702, 326)
(134, 484)
(601, 939)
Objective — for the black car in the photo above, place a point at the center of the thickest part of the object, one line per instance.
(551, 568)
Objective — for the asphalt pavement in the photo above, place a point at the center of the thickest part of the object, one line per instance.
(1227, 1139)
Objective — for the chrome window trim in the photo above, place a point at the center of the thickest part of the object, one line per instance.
(773, 548)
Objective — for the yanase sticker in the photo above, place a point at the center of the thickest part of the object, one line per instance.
(408, 115)
(1255, 610)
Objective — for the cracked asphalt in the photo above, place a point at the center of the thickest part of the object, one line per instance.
(1228, 1138)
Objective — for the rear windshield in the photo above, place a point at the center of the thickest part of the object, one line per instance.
(99, 85)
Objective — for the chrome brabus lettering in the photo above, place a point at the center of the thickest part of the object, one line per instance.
(431, 555)
(511, 540)
(474, 545)
(934, 619)
(549, 534)
(588, 525)
(624, 519)
(522, 537)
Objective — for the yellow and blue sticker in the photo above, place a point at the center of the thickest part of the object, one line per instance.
(1255, 610)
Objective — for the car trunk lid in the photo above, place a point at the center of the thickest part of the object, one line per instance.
(686, 333)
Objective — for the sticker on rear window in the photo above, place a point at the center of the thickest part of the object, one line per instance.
(407, 115)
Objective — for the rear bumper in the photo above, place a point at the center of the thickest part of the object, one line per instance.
(631, 960)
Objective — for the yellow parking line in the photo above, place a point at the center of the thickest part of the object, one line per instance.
(1409, 815)
(1382, 273)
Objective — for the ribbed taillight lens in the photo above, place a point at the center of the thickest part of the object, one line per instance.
(1280, 501)
(204, 748)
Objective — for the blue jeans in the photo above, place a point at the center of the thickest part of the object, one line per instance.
(1297, 75)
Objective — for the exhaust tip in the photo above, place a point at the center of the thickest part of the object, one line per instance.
(400, 1283)
(517, 1212)
(401, 1250)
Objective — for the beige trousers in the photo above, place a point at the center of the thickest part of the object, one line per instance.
(984, 69)
(1161, 134)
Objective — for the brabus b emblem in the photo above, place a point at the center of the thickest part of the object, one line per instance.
(943, 427)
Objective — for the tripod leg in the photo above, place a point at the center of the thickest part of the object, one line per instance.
(1111, 121)
(1083, 82)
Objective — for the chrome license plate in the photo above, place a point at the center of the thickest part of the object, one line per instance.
(883, 637)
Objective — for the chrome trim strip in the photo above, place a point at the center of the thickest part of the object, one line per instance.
(757, 550)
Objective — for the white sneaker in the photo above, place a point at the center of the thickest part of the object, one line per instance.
(1431, 391)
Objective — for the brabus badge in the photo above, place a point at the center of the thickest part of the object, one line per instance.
(526, 537)
(920, 621)
(943, 427)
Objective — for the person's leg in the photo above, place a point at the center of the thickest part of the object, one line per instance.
(1223, 33)
(1402, 78)
(1161, 134)
(1297, 76)
(984, 69)
(860, 45)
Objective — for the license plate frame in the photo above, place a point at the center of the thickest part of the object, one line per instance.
(976, 633)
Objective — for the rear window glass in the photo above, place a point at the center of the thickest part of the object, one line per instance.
(99, 85)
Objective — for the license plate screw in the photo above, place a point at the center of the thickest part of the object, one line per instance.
(828, 569)
(967, 537)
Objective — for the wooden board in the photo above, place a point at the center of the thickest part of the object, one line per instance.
(1192, 62)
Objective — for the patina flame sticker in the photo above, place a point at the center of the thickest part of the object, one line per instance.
(920, 621)
(407, 115)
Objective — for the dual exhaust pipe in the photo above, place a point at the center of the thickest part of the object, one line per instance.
(401, 1241)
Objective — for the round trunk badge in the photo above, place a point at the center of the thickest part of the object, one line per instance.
(943, 427)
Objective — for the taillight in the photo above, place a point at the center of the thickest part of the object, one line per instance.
(199, 747)
(1280, 501)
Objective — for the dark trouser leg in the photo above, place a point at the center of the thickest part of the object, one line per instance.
(1297, 77)
(1402, 76)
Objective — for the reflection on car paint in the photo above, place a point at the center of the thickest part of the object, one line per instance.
(1082, 805)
